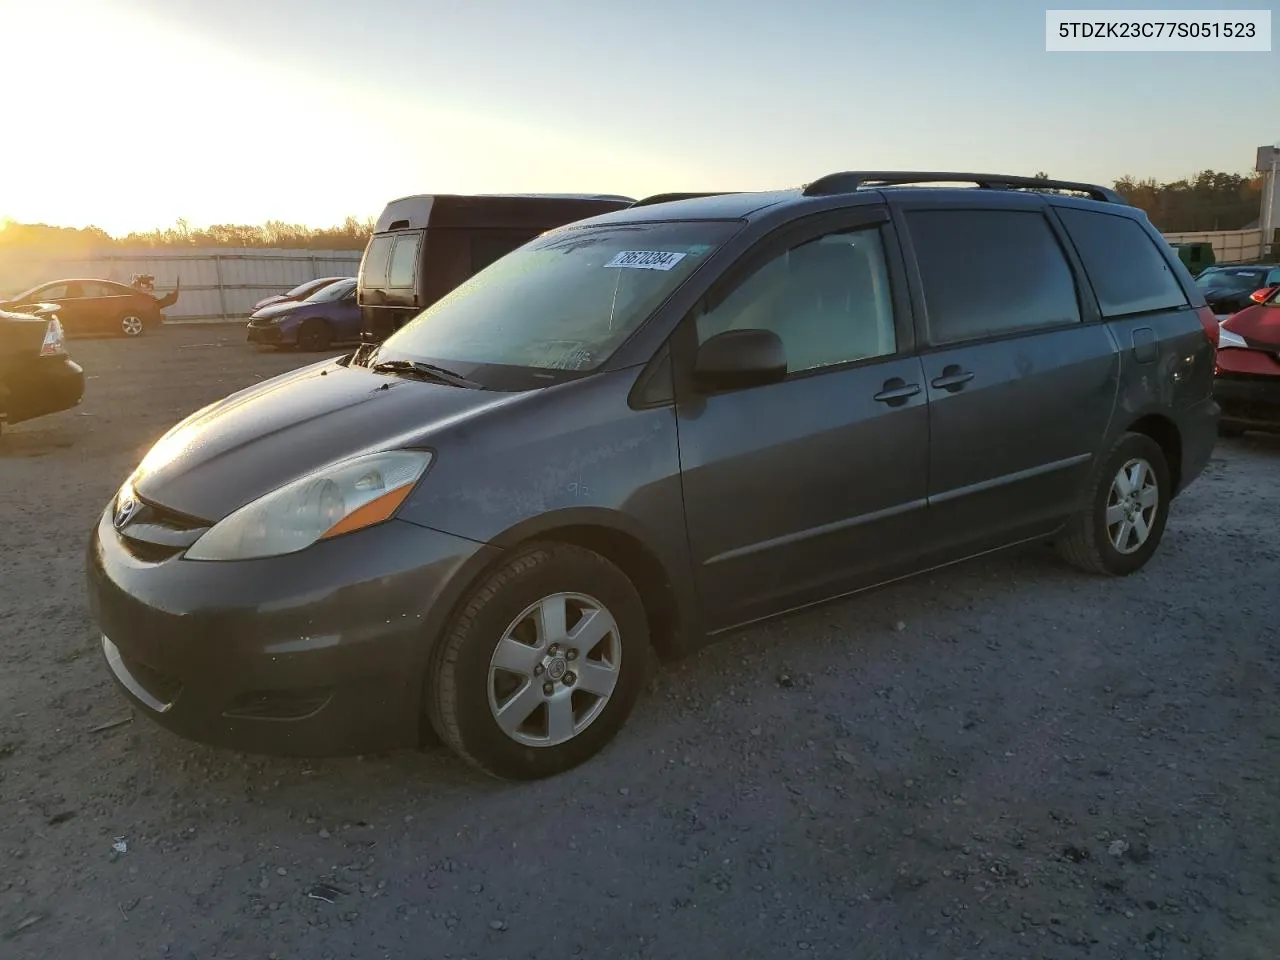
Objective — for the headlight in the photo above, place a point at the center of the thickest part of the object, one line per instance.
(337, 499)
(1228, 339)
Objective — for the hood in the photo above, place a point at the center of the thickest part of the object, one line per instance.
(281, 308)
(1259, 325)
(267, 301)
(254, 441)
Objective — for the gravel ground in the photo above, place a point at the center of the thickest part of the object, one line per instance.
(1005, 759)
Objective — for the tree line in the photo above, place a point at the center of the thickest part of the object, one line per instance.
(1208, 201)
(352, 234)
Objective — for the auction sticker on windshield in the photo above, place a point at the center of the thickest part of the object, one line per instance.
(646, 259)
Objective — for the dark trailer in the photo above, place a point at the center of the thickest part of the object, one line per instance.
(424, 246)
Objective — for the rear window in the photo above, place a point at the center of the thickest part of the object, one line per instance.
(989, 272)
(377, 258)
(404, 262)
(1127, 269)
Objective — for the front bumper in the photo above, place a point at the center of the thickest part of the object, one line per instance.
(319, 653)
(1249, 400)
(272, 335)
(47, 385)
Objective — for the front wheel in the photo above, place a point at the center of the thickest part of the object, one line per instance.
(1124, 515)
(314, 334)
(542, 666)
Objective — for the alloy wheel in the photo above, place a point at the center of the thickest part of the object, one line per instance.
(1131, 505)
(554, 669)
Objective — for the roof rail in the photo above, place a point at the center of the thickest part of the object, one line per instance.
(669, 197)
(849, 181)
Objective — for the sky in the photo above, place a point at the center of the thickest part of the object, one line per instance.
(131, 114)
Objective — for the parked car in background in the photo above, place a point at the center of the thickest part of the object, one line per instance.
(36, 375)
(1228, 288)
(329, 315)
(88, 307)
(645, 430)
(424, 246)
(1247, 373)
(300, 292)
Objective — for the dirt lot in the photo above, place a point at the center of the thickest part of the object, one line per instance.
(1007, 759)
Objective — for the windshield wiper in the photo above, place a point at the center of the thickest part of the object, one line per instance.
(424, 371)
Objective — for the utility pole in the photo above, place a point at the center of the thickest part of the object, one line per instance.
(1268, 163)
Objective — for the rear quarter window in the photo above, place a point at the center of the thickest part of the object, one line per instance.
(1128, 271)
(990, 272)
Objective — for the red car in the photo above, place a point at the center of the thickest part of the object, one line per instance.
(1247, 372)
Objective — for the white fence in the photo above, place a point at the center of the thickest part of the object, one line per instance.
(1229, 246)
(218, 283)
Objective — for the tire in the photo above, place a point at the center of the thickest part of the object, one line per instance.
(465, 688)
(1088, 540)
(314, 334)
(1229, 430)
(131, 325)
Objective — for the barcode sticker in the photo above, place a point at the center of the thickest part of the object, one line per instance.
(646, 259)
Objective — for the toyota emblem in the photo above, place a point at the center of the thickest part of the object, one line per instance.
(125, 511)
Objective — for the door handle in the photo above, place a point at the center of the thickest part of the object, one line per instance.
(897, 391)
(953, 378)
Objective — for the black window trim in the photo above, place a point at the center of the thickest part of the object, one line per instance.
(684, 338)
(1085, 298)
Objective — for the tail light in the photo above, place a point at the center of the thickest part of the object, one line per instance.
(1210, 324)
(53, 340)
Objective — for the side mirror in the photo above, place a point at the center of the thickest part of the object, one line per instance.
(1260, 296)
(739, 358)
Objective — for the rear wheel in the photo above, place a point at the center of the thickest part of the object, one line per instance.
(131, 325)
(543, 664)
(1124, 516)
(314, 334)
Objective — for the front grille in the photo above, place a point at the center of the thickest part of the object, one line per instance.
(156, 533)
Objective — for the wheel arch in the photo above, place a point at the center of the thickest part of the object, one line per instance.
(1164, 431)
(669, 602)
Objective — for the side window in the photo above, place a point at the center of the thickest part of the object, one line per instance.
(828, 301)
(1273, 278)
(57, 291)
(404, 262)
(377, 257)
(1128, 271)
(989, 272)
(92, 289)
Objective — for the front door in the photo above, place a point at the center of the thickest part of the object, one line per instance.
(803, 489)
(1022, 376)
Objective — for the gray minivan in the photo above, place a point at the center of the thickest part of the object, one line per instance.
(645, 430)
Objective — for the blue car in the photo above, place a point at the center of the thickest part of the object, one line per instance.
(329, 315)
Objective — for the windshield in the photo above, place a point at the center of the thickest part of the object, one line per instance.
(302, 289)
(563, 302)
(1231, 280)
(334, 291)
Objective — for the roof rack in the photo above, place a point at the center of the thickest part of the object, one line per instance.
(669, 197)
(849, 181)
